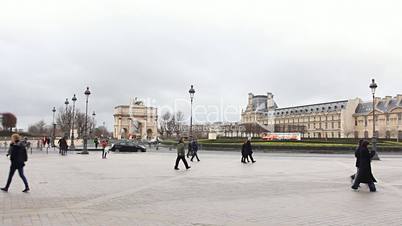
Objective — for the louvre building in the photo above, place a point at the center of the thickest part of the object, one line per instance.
(338, 119)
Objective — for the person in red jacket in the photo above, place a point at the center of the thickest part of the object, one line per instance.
(104, 144)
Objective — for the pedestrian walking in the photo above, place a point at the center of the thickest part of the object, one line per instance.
(248, 150)
(194, 149)
(189, 148)
(18, 157)
(26, 143)
(364, 174)
(157, 143)
(181, 155)
(96, 142)
(63, 146)
(104, 144)
(244, 155)
(352, 177)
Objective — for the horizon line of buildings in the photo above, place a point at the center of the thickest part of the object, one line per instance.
(336, 119)
(351, 118)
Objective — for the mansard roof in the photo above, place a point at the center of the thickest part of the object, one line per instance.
(382, 105)
(312, 108)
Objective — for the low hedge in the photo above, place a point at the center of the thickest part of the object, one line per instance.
(390, 146)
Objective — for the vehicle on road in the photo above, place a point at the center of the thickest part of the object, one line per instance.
(127, 146)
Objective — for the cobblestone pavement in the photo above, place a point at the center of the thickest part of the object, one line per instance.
(143, 189)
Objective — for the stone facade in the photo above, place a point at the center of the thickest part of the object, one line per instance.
(322, 120)
(388, 118)
(135, 121)
(260, 110)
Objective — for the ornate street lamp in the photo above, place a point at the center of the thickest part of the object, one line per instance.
(85, 149)
(191, 92)
(54, 127)
(72, 147)
(68, 116)
(373, 87)
(93, 126)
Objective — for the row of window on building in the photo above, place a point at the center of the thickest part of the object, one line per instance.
(308, 110)
(322, 135)
(308, 119)
(397, 119)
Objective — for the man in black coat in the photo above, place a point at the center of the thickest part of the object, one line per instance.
(364, 174)
(18, 157)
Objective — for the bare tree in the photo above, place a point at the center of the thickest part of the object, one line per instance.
(164, 124)
(39, 129)
(64, 121)
(102, 131)
(9, 121)
(178, 122)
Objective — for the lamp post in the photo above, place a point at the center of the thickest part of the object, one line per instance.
(85, 149)
(72, 147)
(68, 117)
(191, 92)
(373, 86)
(54, 127)
(93, 126)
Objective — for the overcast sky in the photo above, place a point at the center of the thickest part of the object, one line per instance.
(302, 51)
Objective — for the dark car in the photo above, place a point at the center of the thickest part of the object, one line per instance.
(127, 146)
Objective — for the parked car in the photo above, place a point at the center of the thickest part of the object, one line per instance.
(127, 146)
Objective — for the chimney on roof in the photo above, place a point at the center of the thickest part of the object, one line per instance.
(250, 98)
(270, 102)
(399, 99)
(387, 100)
(377, 100)
(250, 102)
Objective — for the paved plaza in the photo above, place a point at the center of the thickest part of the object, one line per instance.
(143, 189)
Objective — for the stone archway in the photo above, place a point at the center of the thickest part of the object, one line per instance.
(149, 133)
(124, 133)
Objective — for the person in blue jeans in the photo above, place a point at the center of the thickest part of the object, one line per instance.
(18, 157)
(194, 148)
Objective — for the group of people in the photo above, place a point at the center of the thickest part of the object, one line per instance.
(247, 152)
(45, 142)
(192, 150)
(18, 156)
(63, 146)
